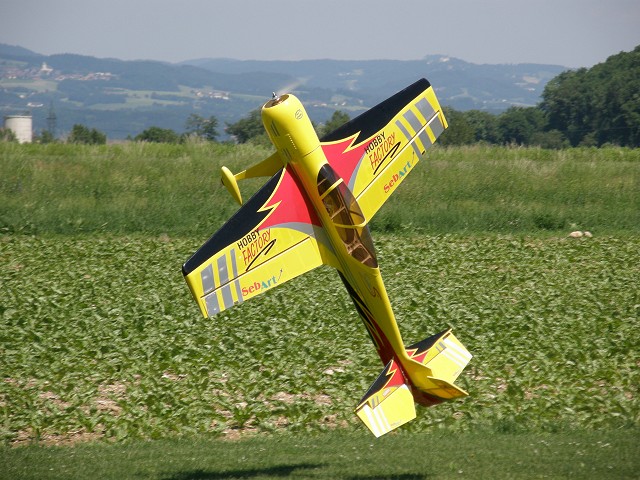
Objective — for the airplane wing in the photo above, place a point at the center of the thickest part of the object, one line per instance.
(274, 237)
(375, 151)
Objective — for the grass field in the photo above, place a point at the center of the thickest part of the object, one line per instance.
(341, 456)
(175, 189)
(100, 341)
(101, 338)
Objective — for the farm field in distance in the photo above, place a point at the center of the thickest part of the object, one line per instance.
(101, 341)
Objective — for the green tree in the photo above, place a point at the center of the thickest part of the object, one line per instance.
(552, 139)
(158, 135)
(519, 124)
(617, 101)
(566, 104)
(7, 135)
(597, 105)
(202, 127)
(82, 134)
(484, 125)
(459, 132)
(338, 119)
(247, 128)
(46, 137)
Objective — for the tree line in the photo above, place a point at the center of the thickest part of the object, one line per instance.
(583, 107)
(196, 126)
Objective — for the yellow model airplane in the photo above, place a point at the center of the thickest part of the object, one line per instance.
(314, 211)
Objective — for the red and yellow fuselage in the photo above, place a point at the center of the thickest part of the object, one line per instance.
(292, 133)
(314, 210)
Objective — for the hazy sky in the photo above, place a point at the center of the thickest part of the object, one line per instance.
(572, 33)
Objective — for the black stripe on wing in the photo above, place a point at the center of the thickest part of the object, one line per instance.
(243, 222)
(376, 118)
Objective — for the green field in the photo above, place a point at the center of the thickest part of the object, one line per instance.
(340, 455)
(175, 189)
(102, 346)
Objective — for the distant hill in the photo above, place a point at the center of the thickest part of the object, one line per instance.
(123, 98)
(459, 84)
(14, 50)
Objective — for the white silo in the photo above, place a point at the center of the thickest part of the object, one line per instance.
(21, 126)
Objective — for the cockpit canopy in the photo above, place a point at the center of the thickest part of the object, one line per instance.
(347, 216)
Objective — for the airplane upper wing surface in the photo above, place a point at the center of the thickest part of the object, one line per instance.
(375, 151)
(273, 238)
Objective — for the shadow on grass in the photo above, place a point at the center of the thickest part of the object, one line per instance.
(402, 476)
(277, 471)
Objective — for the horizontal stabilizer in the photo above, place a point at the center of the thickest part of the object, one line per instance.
(443, 354)
(388, 403)
(266, 168)
(443, 389)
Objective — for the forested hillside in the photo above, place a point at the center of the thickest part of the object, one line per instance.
(598, 105)
(586, 107)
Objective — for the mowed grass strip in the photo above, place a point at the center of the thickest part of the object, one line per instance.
(101, 340)
(341, 456)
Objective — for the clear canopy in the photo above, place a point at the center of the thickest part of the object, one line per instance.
(346, 216)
